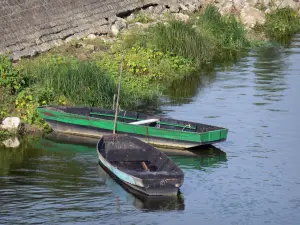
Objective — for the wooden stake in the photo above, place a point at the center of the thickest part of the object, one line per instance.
(118, 96)
(114, 101)
(145, 167)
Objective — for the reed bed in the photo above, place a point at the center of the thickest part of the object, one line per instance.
(207, 38)
(82, 83)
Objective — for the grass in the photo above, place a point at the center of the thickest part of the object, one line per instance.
(82, 83)
(207, 38)
(225, 31)
(281, 25)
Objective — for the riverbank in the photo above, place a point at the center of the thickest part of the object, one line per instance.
(160, 48)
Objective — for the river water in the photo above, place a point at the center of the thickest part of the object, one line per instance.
(252, 178)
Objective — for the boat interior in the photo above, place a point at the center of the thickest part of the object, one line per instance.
(139, 119)
(135, 157)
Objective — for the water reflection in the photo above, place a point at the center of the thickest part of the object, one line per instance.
(269, 80)
(195, 158)
(205, 156)
(11, 158)
(182, 91)
(141, 201)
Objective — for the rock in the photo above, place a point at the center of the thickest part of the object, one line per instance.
(159, 9)
(11, 142)
(182, 17)
(115, 30)
(251, 16)
(150, 9)
(119, 19)
(121, 23)
(174, 9)
(130, 18)
(239, 4)
(265, 2)
(252, 2)
(192, 7)
(118, 26)
(91, 36)
(285, 4)
(188, 7)
(227, 8)
(10, 123)
(183, 7)
(268, 10)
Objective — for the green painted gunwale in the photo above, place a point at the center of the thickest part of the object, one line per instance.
(209, 136)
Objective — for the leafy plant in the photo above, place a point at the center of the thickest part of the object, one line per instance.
(145, 73)
(10, 77)
(29, 99)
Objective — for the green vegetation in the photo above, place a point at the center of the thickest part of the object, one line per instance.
(11, 78)
(281, 24)
(80, 83)
(207, 38)
(143, 18)
(157, 60)
(145, 73)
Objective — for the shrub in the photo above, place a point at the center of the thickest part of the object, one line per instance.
(10, 77)
(29, 99)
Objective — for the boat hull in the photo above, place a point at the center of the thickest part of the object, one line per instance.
(73, 129)
(121, 157)
(166, 191)
(158, 131)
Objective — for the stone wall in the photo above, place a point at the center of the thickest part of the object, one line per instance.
(28, 27)
(31, 26)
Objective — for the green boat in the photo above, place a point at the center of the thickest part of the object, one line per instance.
(158, 131)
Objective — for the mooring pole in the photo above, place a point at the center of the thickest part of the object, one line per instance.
(118, 96)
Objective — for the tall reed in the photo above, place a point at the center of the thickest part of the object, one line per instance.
(225, 31)
(83, 83)
(181, 39)
(207, 37)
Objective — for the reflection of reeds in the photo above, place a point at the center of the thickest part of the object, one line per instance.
(184, 89)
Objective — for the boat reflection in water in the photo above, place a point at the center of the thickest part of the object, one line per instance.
(139, 200)
(204, 156)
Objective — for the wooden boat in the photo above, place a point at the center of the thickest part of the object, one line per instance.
(141, 201)
(158, 131)
(139, 166)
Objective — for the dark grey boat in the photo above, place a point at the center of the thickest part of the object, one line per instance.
(139, 166)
